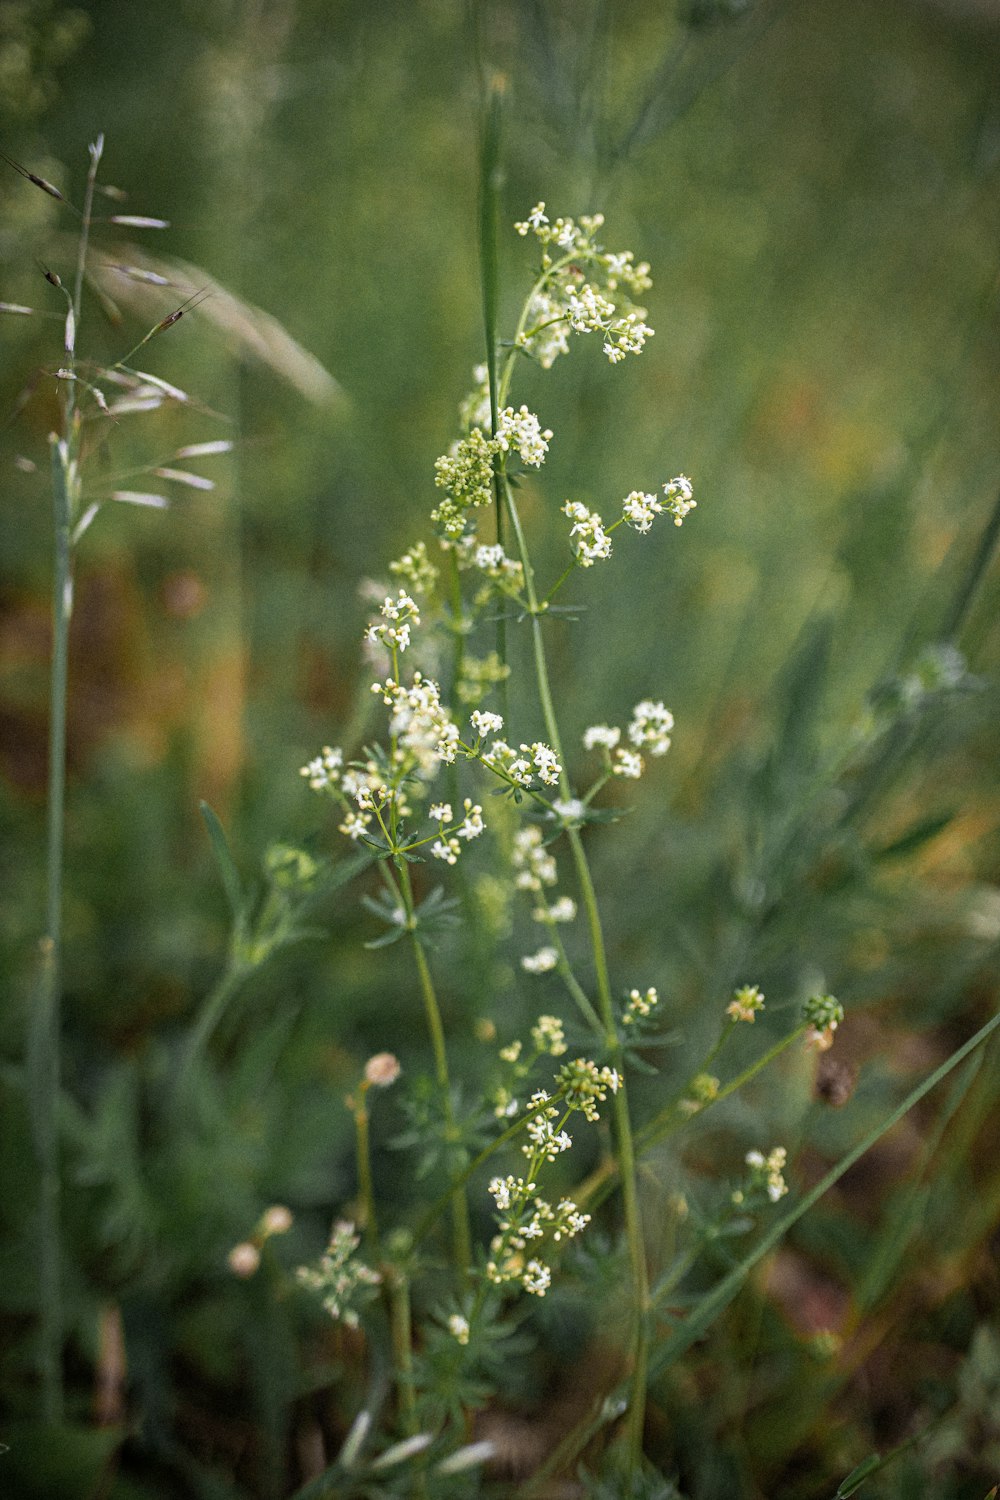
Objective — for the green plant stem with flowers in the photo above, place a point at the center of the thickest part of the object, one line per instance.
(378, 795)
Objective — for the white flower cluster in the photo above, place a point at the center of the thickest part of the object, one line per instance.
(527, 1219)
(767, 1171)
(563, 909)
(592, 541)
(626, 335)
(566, 300)
(324, 771)
(640, 1005)
(542, 962)
(520, 767)
(544, 1142)
(340, 1277)
(397, 616)
(420, 723)
(745, 1004)
(415, 569)
(585, 1085)
(534, 865)
(522, 431)
(587, 310)
(649, 730)
(548, 1036)
(494, 562)
(458, 1327)
(448, 846)
(679, 492)
(466, 470)
(650, 727)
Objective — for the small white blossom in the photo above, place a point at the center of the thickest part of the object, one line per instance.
(522, 431)
(640, 1004)
(548, 767)
(440, 812)
(458, 1327)
(767, 1171)
(484, 722)
(473, 824)
(562, 910)
(591, 540)
(679, 498)
(548, 1036)
(325, 770)
(535, 220)
(627, 335)
(535, 867)
(628, 764)
(650, 727)
(601, 736)
(541, 962)
(588, 310)
(640, 509)
(536, 1278)
(447, 849)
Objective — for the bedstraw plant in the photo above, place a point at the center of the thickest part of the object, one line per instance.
(475, 780)
(472, 815)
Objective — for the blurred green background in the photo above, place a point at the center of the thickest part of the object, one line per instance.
(815, 187)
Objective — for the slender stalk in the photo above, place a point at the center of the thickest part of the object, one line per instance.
(366, 1191)
(401, 1325)
(44, 1042)
(639, 1334)
(44, 1055)
(461, 1231)
(489, 207)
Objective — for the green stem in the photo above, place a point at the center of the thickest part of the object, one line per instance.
(461, 1232)
(44, 1044)
(639, 1333)
(401, 1322)
(366, 1190)
(212, 1010)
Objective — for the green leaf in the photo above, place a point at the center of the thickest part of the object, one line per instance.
(224, 859)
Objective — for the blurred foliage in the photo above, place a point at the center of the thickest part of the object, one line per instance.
(815, 187)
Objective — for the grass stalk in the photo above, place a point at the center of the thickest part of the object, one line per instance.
(44, 1061)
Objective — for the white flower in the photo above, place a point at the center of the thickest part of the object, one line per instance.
(627, 335)
(536, 1278)
(627, 763)
(548, 767)
(534, 865)
(355, 825)
(592, 541)
(440, 812)
(541, 962)
(458, 1327)
(601, 735)
(522, 431)
(639, 510)
(473, 824)
(650, 727)
(535, 220)
(679, 502)
(446, 849)
(562, 910)
(485, 723)
(324, 771)
(588, 310)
